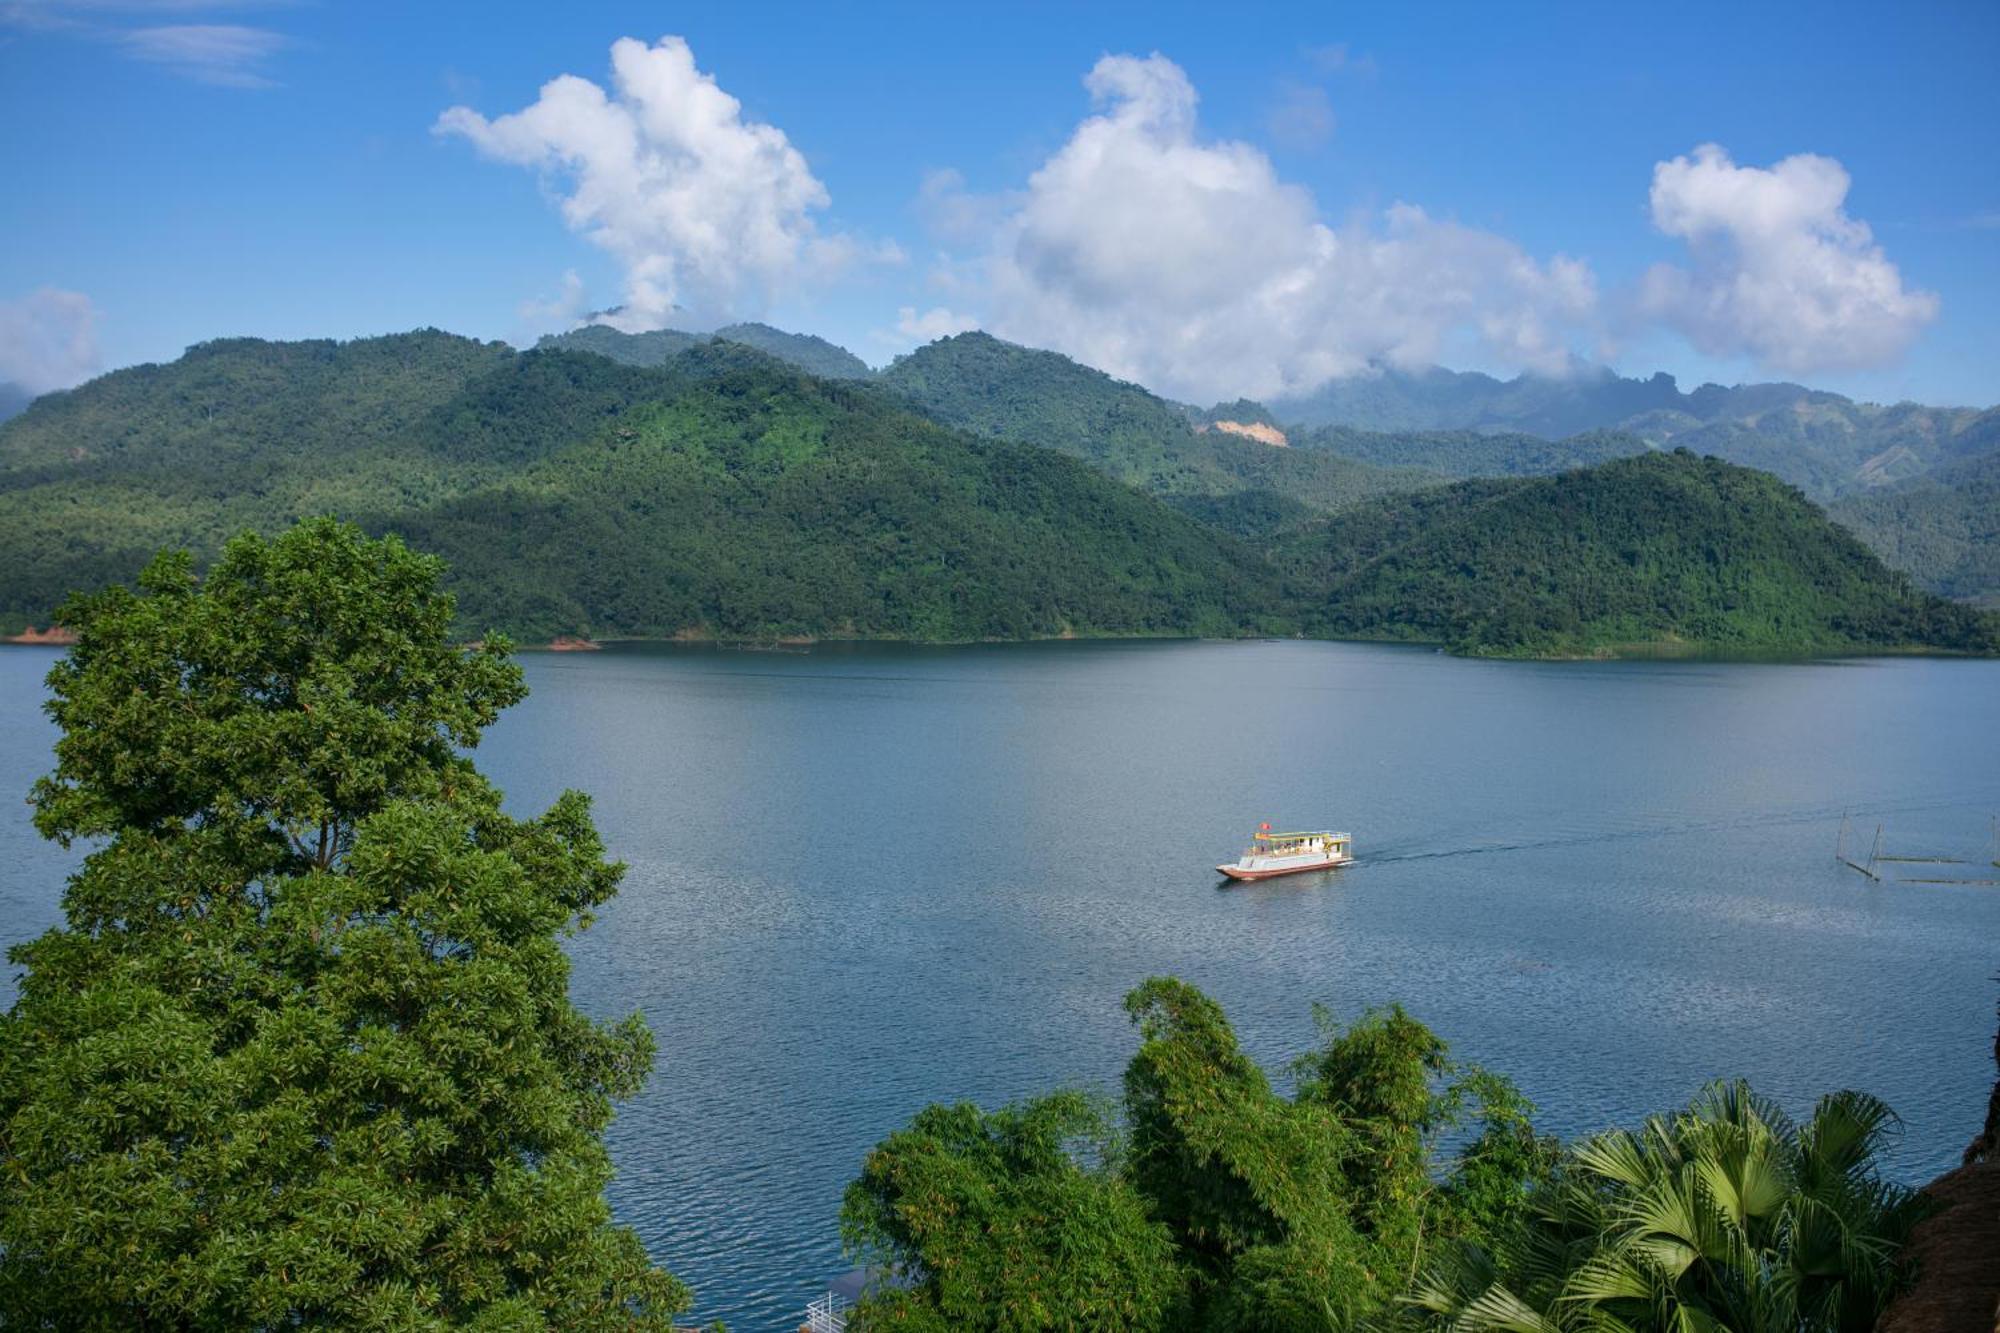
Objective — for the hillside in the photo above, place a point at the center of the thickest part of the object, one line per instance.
(815, 356)
(1660, 552)
(1943, 528)
(723, 493)
(250, 434)
(1824, 443)
(14, 400)
(1467, 453)
(981, 384)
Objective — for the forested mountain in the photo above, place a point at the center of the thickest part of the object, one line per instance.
(761, 502)
(1943, 527)
(724, 493)
(1826, 444)
(1660, 551)
(981, 384)
(815, 356)
(14, 400)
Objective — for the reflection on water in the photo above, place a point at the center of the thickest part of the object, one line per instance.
(865, 879)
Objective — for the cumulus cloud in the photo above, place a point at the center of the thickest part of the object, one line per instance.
(1780, 272)
(710, 215)
(48, 339)
(1187, 264)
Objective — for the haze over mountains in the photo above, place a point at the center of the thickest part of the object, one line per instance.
(697, 485)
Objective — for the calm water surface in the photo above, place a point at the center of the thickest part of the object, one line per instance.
(866, 879)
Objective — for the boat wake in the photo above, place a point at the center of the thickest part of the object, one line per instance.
(1767, 819)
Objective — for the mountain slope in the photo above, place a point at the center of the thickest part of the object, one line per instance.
(234, 397)
(1824, 443)
(1943, 528)
(761, 502)
(722, 493)
(814, 355)
(978, 383)
(14, 400)
(725, 493)
(1662, 551)
(1466, 453)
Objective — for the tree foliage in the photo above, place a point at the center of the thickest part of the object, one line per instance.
(1018, 1219)
(303, 1052)
(1228, 1205)
(1724, 1216)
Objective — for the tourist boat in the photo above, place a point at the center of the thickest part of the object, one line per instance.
(1272, 854)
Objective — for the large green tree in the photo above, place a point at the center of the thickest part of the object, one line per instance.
(1017, 1219)
(303, 1053)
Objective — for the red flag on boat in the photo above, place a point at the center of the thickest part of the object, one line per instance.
(1266, 826)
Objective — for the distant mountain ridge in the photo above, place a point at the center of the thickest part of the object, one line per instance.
(1822, 442)
(812, 354)
(1943, 527)
(1236, 481)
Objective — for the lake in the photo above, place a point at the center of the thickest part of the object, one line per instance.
(863, 879)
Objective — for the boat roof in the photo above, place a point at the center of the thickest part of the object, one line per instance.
(1310, 833)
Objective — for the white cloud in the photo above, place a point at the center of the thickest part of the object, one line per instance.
(937, 322)
(228, 55)
(1780, 272)
(48, 339)
(1188, 265)
(711, 215)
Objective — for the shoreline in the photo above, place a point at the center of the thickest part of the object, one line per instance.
(1662, 650)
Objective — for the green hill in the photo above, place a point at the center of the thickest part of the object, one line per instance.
(979, 383)
(723, 493)
(1942, 528)
(815, 356)
(1659, 552)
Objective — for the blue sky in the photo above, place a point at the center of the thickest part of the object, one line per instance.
(1290, 192)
